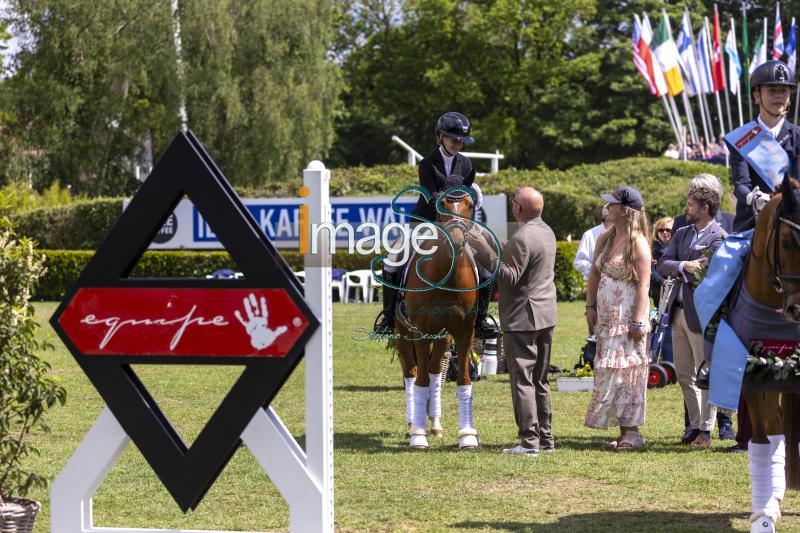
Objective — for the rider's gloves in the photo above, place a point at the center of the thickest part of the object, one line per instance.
(757, 199)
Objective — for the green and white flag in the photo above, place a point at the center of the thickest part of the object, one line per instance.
(667, 56)
(759, 53)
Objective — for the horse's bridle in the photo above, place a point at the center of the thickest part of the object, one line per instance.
(459, 224)
(777, 279)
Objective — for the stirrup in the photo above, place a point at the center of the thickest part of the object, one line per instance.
(384, 325)
(484, 330)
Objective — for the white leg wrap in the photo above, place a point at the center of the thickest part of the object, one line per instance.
(420, 406)
(464, 395)
(778, 447)
(764, 501)
(409, 400)
(435, 400)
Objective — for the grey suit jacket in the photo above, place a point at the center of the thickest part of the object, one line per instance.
(525, 279)
(681, 249)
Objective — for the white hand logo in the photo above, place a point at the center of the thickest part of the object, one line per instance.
(256, 325)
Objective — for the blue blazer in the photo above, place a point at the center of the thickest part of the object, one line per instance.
(681, 249)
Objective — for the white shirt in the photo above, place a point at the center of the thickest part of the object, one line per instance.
(774, 131)
(448, 161)
(585, 255)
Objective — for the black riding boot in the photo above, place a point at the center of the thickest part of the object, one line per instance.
(385, 325)
(484, 328)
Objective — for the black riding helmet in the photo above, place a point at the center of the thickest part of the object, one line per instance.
(456, 126)
(772, 72)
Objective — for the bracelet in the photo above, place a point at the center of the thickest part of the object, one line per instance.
(638, 325)
(591, 306)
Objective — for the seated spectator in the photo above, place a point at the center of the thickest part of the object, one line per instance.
(672, 151)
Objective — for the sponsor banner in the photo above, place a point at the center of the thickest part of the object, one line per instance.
(188, 322)
(279, 219)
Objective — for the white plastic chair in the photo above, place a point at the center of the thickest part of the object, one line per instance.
(374, 284)
(359, 281)
(341, 286)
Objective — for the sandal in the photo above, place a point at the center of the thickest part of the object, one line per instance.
(631, 441)
(612, 444)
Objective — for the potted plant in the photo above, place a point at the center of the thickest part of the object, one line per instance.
(26, 388)
(578, 379)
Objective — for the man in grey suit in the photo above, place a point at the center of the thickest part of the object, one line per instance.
(688, 252)
(528, 316)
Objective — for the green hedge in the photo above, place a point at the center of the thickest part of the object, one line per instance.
(64, 267)
(572, 204)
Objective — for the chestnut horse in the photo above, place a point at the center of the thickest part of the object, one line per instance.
(772, 278)
(440, 303)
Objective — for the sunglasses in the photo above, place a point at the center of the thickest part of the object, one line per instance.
(664, 230)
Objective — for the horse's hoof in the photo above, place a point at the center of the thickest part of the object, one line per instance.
(468, 438)
(438, 433)
(762, 524)
(418, 438)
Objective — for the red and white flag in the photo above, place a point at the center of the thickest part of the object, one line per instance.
(643, 60)
(777, 36)
(716, 56)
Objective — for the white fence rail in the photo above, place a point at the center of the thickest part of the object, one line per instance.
(414, 156)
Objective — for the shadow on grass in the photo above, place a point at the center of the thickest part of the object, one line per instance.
(393, 442)
(618, 521)
(367, 388)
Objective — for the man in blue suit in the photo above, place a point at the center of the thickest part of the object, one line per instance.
(688, 252)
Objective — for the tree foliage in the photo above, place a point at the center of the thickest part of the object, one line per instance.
(548, 82)
(95, 89)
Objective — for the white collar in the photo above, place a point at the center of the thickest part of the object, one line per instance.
(774, 131)
(447, 158)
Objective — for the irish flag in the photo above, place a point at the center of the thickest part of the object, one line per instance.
(759, 53)
(667, 56)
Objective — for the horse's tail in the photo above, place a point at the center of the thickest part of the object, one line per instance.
(791, 430)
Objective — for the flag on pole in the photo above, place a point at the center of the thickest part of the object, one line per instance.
(716, 56)
(666, 54)
(647, 29)
(686, 50)
(642, 58)
(791, 48)
(777, 35)
(734, 65)
(703, 63)
(759, 53)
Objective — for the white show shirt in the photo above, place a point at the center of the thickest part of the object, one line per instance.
(774, 131)
(585, 255)
(448, 161)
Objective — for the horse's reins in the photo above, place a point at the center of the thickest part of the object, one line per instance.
(459, 224)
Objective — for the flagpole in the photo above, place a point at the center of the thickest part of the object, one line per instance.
(699, 94)
(672, 121)
(738, 81)
(722, 68)
(702, 112)
(687, 107)
(716, 93)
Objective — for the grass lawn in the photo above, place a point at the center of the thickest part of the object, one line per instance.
(382, 485)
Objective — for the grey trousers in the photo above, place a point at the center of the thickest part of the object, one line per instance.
(528, 359)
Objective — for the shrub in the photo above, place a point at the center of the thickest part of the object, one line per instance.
(80, 226)
(64, 267)
(26, 389)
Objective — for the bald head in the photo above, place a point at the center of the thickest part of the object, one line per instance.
(530, 203)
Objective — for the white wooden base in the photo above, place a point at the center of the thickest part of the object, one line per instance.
(265, 436)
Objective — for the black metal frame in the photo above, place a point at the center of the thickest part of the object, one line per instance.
(186, 169)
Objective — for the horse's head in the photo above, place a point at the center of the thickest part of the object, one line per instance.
(778, 231)
(456, 202)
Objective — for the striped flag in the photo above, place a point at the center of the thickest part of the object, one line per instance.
(734, 65)
(703, 61)
(791, 48)
(666, 54)
(759, 53)
(716, 56)
(777, 36)
(685, 48)
(642, 58)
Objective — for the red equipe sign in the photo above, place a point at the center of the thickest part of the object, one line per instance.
(186, 322)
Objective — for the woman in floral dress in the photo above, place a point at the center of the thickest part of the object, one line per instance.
(617, 311)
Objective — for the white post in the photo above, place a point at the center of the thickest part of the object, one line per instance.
(176, 35)
(319, 350)
(496, 162)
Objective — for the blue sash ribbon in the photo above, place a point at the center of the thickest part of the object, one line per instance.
(761, 151)
(729, 354)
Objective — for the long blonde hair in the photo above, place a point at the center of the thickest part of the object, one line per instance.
(638, 226)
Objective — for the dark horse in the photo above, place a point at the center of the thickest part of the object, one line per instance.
(772, 279)
(434, 315)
